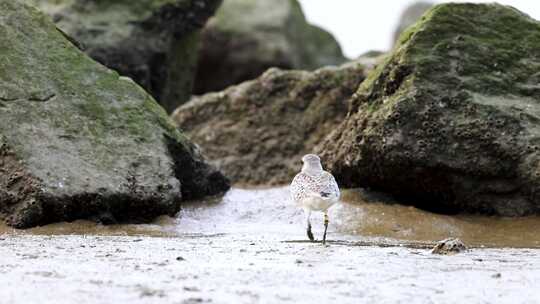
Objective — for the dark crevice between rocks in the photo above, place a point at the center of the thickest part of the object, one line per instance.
(179, 19)
(157, 77)
(197, 178)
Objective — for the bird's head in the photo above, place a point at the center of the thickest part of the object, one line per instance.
(312, 164)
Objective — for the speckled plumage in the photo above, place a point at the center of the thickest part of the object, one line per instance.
(305, 185)
(314, 189)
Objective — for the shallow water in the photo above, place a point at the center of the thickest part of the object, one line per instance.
(360, 215)
(249, 247)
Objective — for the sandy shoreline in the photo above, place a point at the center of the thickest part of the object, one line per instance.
(244, 269)
(250, 247)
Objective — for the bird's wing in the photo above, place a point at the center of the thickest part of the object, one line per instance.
(323, 186)
(330, 186)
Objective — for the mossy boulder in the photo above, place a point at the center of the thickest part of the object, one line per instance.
(246, 37)
(257, 132)
(78, 141)
(451, 121)
(154, 42)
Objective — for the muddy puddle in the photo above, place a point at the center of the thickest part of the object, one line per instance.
(361, 215)
(249, 247)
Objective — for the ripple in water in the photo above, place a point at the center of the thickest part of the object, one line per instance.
(271, 213)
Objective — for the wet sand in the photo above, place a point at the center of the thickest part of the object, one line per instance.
(249, 247)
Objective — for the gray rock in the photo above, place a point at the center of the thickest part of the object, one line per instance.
(371, 59)
(152, 41)
(78, 141)
(257, 132)
(246, 37)
(450, 124)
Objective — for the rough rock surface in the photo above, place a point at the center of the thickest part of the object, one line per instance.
(246, 37)
(154, 42)
(78, 141)
(449, 246)
(256, 132)
(451, 121)
(410, 16)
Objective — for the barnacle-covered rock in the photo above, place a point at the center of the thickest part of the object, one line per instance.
(450, 121)
(257, 132)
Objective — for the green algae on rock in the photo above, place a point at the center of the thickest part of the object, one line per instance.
(256, 132)
(155, 42)
(451, 120)
(246, 37)
(78, 141)
(410, 16)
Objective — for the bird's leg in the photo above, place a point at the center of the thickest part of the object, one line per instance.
(325, 227)
(308, 220)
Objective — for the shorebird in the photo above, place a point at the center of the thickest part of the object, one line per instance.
(314, 189)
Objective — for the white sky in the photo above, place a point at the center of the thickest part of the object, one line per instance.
(360, 26)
